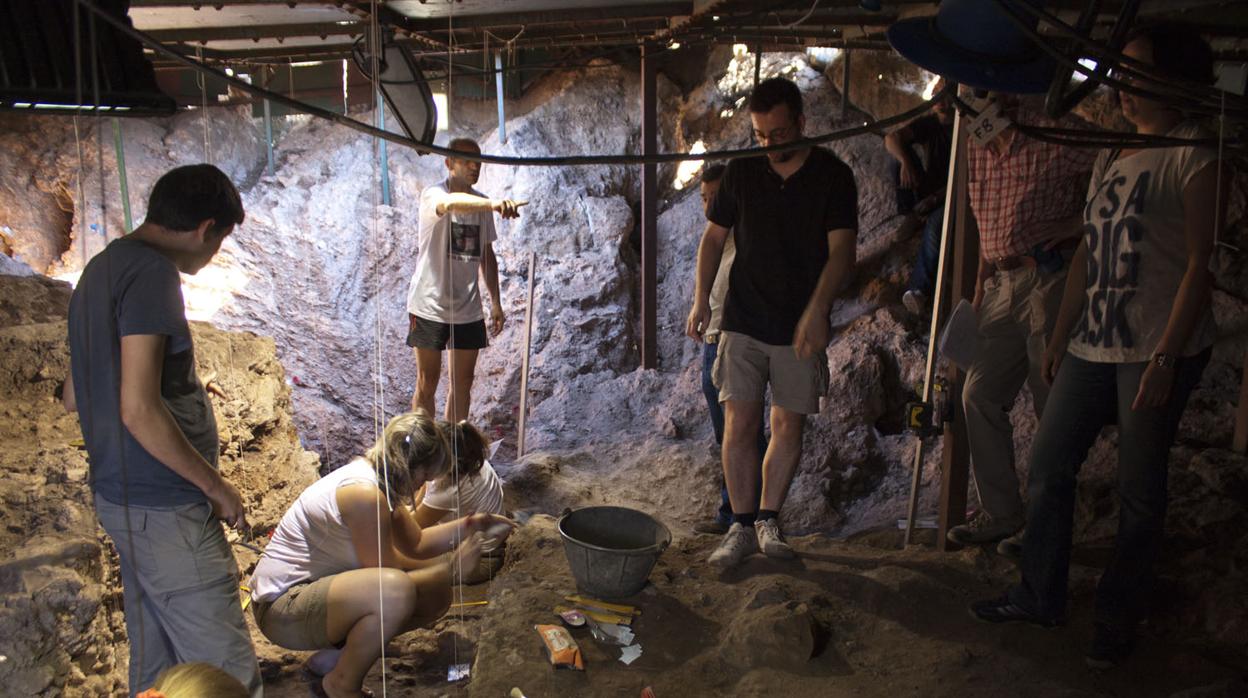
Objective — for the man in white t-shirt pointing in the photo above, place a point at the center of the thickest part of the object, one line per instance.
(456, 248)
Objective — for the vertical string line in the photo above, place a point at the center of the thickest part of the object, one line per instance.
(457, 567)
(379, 396)
(202, 83)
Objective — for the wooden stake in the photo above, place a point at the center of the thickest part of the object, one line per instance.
(1239, 443)
(524, 366)
(956, 165)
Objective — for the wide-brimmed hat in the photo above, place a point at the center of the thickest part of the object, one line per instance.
(975, 43)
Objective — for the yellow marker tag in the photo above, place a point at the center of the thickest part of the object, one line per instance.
(619, 608)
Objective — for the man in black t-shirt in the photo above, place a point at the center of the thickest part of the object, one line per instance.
(794, 220)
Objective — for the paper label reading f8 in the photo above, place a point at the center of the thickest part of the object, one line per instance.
(989, 124)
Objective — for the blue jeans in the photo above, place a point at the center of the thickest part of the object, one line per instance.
(1085, 396)
(906, 198)
(923, 276)
(711, 393)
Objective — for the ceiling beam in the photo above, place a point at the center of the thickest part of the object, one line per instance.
(218, 4)
(520, 19)
(257, 32)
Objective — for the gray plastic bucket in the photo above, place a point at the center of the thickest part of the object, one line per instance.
(612, 550)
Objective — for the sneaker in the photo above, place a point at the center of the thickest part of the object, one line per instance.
(1002, 610)
(982, 529)
(915, 301)
(1012, 547)
(712, 527)
(771, 541)
(738, 544)
(1111, 644)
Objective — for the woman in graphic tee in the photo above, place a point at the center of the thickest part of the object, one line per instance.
(1129, 345)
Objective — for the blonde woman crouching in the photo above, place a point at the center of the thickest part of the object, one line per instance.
(349, 565)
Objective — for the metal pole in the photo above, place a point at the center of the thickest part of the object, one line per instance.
(268, 135)
(649, 210)
(845, 83)
(524, 364)
(941, 268)
(121, 173)
(385, 158)
(498, 88)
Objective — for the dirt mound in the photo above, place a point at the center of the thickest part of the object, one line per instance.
(844, 619)
(60, 595)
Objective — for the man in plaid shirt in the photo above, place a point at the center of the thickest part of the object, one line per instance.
(1027, 196)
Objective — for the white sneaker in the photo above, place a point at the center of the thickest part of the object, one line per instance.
(915, 301)
(738, 544)
(771, 541)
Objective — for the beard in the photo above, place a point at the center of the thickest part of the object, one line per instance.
(782, 156)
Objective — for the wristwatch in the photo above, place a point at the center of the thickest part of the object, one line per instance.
(1165, 360)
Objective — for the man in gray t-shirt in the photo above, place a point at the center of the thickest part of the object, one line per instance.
(151, 436)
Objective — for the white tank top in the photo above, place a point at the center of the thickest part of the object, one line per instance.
(311, 541)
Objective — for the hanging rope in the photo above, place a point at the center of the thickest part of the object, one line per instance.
(85, 388)
(202, 83)
(80, 209)
(379, 396)
(457, 567)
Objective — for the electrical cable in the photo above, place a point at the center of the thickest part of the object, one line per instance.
(566, 160)
(1099, 138)
(805, 17)
(1134, 68)
(1175, 97)
(573, 160)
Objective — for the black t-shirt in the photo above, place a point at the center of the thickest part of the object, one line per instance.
(132, 289)
(936, 140)
(780, 228)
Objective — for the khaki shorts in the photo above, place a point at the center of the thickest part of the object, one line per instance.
(745, 366)
(299, 618)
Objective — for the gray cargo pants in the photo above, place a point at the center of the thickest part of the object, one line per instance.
(180, 585)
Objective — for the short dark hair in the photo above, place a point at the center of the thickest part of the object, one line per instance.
(185, 197)
(775, 91)
(464, 144)
(1179, 51)
(713, 173)
(469, 446)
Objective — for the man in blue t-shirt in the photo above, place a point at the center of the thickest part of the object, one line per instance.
(151, 436)
(793, 215)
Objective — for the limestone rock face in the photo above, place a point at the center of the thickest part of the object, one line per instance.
(322, 268)
(60, 595)
(56, 212)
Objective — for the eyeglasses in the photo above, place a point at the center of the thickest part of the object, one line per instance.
(776, 135)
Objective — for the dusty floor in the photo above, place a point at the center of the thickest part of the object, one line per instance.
(857, 617)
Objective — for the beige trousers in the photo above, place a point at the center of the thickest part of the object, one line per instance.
(1015, 321)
